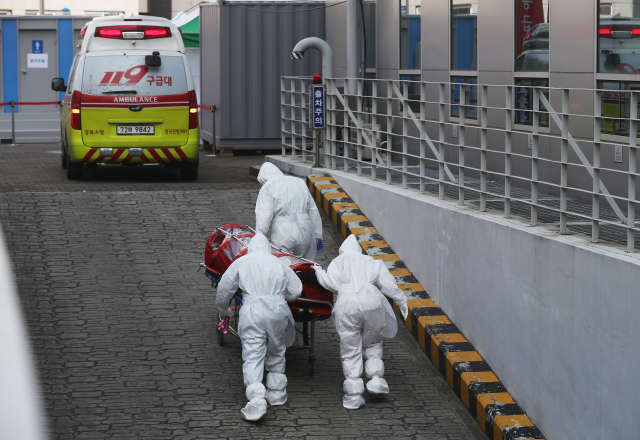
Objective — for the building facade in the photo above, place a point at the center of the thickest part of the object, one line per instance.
(75, 7)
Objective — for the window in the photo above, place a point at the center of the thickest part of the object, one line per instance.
(461, 9)
(524, 101)
(605, 8)
(532, 35)
(619, 36)
(410, 35)
(464, 35)
(464, 86)
(616, 104)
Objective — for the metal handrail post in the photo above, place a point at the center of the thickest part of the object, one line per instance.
(213, 129)
(13, 122)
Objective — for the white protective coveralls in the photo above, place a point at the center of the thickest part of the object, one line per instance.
(286, 201)
(362, 316)
(266, 326)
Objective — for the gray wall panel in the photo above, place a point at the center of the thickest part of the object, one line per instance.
(252, 47)
(336, 32)
(495, 35)
(28, 23)
(435, 35)
(572, 42)
(210, 67)
(388, 29)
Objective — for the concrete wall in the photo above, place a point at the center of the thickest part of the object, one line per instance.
(555, 316)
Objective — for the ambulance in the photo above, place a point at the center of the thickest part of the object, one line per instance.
(130, 99)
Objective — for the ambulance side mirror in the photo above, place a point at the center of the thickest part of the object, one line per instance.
(57, 84)
(153, 60)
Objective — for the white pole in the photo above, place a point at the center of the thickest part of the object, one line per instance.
(41, 7)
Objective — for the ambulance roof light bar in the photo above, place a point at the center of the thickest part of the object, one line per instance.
(133, 32)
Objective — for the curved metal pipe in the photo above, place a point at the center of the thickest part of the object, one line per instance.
(322, 46)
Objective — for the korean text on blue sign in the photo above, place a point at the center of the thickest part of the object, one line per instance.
(316, 107)
(37, 46)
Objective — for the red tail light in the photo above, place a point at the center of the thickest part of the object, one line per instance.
(84, 31)
(193, 110)
(604, 31)
(635, 32)
(133, 32)
(156, 32)
(76, 117)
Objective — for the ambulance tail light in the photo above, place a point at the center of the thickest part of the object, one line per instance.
(76, 117)
(133, 32)
(193, 110)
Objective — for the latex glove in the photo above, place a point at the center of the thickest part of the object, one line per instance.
(404, 311)
(319, 245)
(228, 312)
(318, 268)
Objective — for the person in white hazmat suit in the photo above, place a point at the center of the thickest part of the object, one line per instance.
(362, 316)
(285, 204)
(266, 326)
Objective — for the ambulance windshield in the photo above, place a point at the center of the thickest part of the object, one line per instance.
(129, 75)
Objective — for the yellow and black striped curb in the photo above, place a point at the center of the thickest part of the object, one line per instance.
(453, 355)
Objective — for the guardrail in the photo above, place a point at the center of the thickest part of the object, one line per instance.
(13, 114)
(481, 145)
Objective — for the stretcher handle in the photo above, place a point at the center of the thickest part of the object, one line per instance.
(316, 301)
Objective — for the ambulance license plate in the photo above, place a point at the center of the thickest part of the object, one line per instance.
(135, 129)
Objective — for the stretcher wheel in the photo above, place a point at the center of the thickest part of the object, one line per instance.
(220, 338)
(312, 361)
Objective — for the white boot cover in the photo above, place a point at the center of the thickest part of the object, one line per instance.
(276, 389)
(374, 367)
(257, 406)
(353, 389)
(378, 385)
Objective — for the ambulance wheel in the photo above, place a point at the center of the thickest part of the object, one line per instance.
(74, 170)
(64, 157)
(189, 171)
(220, 338)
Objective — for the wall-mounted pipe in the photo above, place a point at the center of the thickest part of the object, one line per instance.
(322, 46)
(353, 57)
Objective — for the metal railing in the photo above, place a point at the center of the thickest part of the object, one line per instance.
(485, 145)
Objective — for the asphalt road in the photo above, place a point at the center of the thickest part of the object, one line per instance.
(123, 326)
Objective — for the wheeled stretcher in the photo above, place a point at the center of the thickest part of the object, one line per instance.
(230, 242)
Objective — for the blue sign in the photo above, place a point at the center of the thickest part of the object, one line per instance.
(37, 46)
(316, 107)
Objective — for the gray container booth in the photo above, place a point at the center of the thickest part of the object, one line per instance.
(245, 47)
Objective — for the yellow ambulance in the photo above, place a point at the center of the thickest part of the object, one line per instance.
(130, 99)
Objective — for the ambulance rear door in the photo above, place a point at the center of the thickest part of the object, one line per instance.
(126, 103)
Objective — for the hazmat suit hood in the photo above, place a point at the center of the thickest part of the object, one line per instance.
(268, 171)
(259, 244)
(350, 245)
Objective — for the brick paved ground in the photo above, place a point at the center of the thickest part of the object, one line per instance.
(123, 328)
(37, 168)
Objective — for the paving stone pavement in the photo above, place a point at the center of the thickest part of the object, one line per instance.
(37, 168)
(123, 327)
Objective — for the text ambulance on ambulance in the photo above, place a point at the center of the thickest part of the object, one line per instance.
(131, 98)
